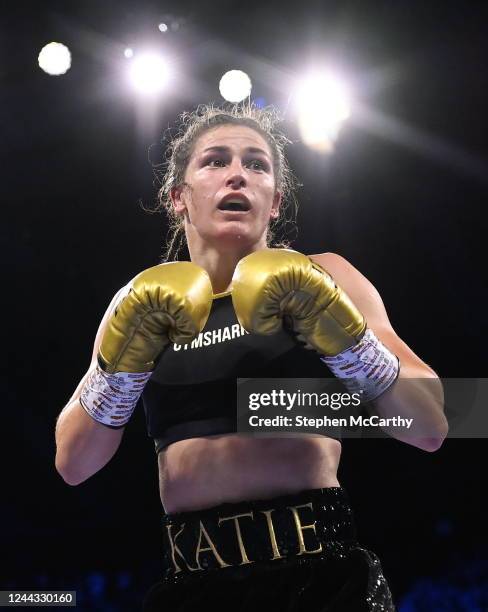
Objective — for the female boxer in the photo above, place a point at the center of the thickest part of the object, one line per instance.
(250, 522)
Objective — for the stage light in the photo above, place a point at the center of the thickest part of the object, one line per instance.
(149, 73)
(55, 59)
(235, 85)
(322, 105)
(128, 53)
(162, 27)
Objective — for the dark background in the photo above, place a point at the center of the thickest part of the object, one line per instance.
(402, 198)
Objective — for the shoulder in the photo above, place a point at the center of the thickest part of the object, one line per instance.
(367, 299)
(331, 261)
(344, 273)
(359, 288)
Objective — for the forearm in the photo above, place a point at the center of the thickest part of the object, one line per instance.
(417, 394)
(83, 446)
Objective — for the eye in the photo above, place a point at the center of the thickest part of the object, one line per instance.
(216, 162)
(257, 164)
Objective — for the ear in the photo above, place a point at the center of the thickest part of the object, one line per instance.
(177, 196)
(275, 207)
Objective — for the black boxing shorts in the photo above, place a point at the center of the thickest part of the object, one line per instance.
(292, 553)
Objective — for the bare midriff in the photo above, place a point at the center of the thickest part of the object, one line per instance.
(204, 472)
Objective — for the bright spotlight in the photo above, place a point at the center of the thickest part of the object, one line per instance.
(323, 105)
(163, 27)
(55, 59)
(149, 73)
(235, 85)
(128, 53)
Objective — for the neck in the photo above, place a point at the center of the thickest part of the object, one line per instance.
(220, 260)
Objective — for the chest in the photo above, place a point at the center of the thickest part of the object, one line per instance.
(224, 350)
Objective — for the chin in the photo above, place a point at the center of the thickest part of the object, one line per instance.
(234, 239)
(235, 232)
(233, 235)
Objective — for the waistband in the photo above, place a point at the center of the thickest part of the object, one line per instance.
(267, 533)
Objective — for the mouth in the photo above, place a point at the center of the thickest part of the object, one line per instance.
(238, 204)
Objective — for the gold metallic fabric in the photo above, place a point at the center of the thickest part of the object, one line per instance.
(166, 303)
(271, 284)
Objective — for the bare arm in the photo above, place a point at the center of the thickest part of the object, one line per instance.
(421, 398)
(84, 446)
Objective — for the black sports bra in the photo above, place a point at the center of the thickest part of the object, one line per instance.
(192, 392)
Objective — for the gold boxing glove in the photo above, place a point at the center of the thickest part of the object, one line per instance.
(274, 283)
(167, 303)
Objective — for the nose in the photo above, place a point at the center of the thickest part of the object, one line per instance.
(236, 178)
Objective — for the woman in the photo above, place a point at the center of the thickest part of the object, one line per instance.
(250, 522)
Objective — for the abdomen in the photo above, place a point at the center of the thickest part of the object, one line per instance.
(204, 472)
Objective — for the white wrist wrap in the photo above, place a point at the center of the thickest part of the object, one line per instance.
(368, 367)
(111, 398)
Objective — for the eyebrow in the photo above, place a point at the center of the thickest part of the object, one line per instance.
(223, 149)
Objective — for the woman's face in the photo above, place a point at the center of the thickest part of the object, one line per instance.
(229, 194)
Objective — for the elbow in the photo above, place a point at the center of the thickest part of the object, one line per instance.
(73, 482)
(430, 444)
(68, 475)
(435, 441)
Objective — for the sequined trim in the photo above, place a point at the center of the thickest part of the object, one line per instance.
(313, 524)
(239, 541)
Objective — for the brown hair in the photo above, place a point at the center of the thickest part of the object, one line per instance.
(170, 174)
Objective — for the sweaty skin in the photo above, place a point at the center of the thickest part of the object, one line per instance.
(234, 164)
(204, 472)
